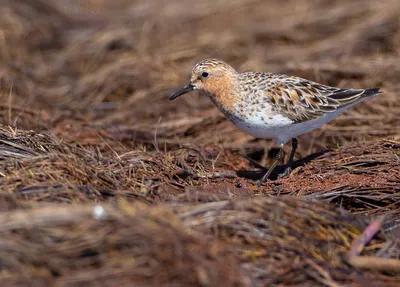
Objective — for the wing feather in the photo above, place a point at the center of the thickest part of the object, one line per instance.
(303, 100)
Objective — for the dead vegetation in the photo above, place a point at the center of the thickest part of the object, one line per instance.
(104, 181)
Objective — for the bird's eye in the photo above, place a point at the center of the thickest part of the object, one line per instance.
(205, 74)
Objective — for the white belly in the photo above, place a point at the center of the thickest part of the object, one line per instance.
(269, 128)
(279, 127)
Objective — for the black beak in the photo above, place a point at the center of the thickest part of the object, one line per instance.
(186, 89)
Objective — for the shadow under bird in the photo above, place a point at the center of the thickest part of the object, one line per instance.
(269, 105)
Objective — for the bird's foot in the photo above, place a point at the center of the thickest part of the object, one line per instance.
(286, 172)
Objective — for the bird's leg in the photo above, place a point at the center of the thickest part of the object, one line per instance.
(277, 159)
(288, 168)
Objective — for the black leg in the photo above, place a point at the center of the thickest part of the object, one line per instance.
(290, 161)
(277, 159)
(294, 148)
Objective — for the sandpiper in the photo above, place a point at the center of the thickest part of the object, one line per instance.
(269, 105)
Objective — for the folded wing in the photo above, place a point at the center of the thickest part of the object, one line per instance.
(302, 100)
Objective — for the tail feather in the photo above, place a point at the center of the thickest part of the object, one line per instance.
(345, 97)
(371, 92)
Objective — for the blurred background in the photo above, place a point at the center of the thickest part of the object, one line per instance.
(81, 69)
(103, 204)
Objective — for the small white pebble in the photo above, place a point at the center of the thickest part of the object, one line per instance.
(99, 212)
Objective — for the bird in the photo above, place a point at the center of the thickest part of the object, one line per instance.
(270, 105)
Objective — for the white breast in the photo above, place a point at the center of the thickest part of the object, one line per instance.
(265, 124)
(261, 124)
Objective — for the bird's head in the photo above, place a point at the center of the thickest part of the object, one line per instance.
(212, 77)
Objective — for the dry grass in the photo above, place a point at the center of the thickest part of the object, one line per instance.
(76, 246)
(286, 241)
(85, 125)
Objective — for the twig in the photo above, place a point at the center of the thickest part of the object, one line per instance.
(375, 263)
(187, 173)
(369, 232)
(326, 279)
(370, 262)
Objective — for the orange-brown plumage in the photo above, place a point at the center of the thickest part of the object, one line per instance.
(268, 105)
(220, 84)
(242, 95)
